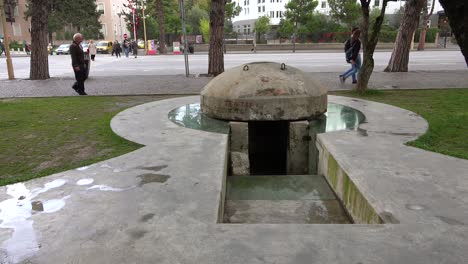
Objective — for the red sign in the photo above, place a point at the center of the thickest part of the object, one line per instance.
(125, 35)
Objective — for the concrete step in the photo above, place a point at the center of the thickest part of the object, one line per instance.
(285, 212)
(281, 187)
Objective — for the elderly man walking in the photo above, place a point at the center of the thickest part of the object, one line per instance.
(78, 64)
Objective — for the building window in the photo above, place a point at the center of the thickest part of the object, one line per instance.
(259, 1)
(259, 9)
(377, 3)
(281, 14)
(263, 1)
(16, 30)
(16, 11)
(272, 14)
(324, 4)
(100, 7)
(103, 29)
(263, 8)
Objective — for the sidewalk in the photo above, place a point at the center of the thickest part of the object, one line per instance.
(179, 84)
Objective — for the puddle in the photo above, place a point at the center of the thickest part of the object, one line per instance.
(152, 177)
(106, 188)
(86, 181)
(82, 168)
(154, 168)
(15, 214)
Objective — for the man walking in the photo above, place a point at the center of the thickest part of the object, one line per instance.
(78, 64)
(126, 46)
(2, 47)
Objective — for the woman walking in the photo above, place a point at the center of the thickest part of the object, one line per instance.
(92, 50)
(352, 48)
(116, 49)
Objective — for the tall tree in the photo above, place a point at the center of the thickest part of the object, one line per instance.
(86, 18)
(232, 10)
(262, 26)
(193, 18)
(345, 11)
(286, 28)
(369, 41)
(215, 54)
(39, 10)
(456, 11)
(299, 12)
(400, 55)
(427, 15)
(160, 15)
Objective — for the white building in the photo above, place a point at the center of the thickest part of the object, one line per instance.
(274, 9)
(113, 25)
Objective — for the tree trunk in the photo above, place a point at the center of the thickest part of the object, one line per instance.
(162, 34)
(400, 55)
(215, 55)
(456, 12)
(370, 41)
(422, 35)
(39, 32)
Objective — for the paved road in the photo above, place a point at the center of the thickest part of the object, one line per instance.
(105, 65)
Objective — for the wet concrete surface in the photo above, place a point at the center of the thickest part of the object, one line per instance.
(98, 214)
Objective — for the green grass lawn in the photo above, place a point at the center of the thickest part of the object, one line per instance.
(445, 110)
(44, 136)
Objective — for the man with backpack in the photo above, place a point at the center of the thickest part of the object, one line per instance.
(352, 48)
(126, 46)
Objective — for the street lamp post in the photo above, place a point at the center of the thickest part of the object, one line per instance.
(144, 26)
(11, 74)
(184, 31)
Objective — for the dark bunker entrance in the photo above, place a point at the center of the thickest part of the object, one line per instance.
(268, 144)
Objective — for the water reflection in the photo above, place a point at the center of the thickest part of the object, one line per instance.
(338, 117)
(190, 116)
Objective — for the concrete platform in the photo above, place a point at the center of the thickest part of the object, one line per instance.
(161, 203)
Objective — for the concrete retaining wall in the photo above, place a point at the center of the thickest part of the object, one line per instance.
(353, 200)
(308, 46)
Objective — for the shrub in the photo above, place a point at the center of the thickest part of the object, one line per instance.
(431, 34)
(205, 29)
(387, 35)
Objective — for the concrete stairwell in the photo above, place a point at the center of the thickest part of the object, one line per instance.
(300, 199)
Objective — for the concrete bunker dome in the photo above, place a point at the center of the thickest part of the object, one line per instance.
(263, 91)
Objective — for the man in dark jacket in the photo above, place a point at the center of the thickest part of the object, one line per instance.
(352, 48)
(78, 64)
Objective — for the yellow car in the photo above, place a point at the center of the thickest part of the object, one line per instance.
(104, 46)
(141, 44)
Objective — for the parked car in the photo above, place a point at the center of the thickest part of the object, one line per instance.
(85, 47)
(86, 57)
(104, 47)
(63, 49)
(141, 44)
